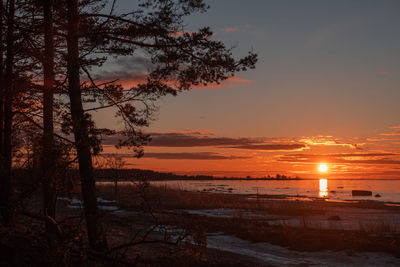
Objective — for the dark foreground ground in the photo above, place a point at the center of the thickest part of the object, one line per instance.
(153, 226)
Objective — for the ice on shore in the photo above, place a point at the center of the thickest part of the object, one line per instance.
(105, 201)
(272, 255)
(76, 203)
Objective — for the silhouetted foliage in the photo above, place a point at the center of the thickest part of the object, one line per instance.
(52, 56)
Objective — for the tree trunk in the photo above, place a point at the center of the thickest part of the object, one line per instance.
(7, 147)
(96, 235)
(48, 157)
(116, 178)
(1, 84)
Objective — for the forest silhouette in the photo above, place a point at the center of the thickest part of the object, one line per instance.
(48, 51)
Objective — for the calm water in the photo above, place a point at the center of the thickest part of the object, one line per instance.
(330, 189)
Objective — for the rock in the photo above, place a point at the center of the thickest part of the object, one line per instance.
(340, 187)
(333, 191)
(377, 195)
(361, 193)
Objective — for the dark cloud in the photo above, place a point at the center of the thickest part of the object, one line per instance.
(183, 155)
(189, 140)
(202, 138)
(122, 77)
(111, 140)
(199, 155)
(132, 69)
(270, 147)
(134, 63)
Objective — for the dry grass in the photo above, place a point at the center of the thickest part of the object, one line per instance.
(164, 197)
(307, 237)
(380, 228)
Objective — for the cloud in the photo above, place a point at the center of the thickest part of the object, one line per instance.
(230, 29)
(131, 71)
(345, 158)
(133, 64)
(193, 132)
(328, 141)
(181, 33)
(390, 134)
(194, 156)
(179, 155)
(271, 147)
(126, 79)
(204, 138)
(195, 140)
(395, 131)
(381, 154)
(228, 83)
(382, 139)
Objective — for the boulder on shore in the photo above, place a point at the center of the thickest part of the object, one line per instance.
(361, 193)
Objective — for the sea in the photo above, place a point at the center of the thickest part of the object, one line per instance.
(330, 189)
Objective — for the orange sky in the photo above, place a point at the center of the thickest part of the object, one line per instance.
(325, 89)
(204, 152)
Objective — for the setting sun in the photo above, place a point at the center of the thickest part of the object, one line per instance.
(323, 167)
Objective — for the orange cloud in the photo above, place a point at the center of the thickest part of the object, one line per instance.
(382, 139)
(390, 134)
(328, 141)
(180, 34)
(228, 83)
(184, 150)
(231, 29)
(132, 80)
(141, 78)
(395, 132)
(344, 158)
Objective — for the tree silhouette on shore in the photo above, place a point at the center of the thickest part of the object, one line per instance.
(54, 45)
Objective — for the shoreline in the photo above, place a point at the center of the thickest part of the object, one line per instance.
(229, 189)
(366, 226)
(252, 179)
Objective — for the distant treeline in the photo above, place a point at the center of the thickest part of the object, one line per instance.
(139, 174)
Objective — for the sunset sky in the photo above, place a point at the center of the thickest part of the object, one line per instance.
(325, 89)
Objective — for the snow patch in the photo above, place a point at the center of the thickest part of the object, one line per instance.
(109, 208)
(75, 203)
(279, 256)
(105, 201)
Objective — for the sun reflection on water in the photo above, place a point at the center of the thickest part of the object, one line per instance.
(323, 187)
